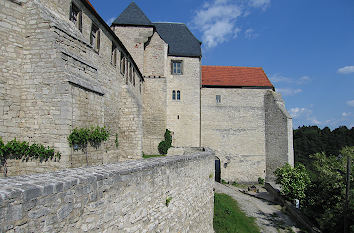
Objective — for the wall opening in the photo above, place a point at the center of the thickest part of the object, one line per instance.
(217, 170)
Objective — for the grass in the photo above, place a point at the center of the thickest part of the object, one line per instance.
(151, 156)
(228, 217)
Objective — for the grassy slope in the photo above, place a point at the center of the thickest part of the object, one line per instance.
(229, 218)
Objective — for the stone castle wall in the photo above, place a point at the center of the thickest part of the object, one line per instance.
(134, 39)
(183, 116)
(155, 57)
(235, 129)
(122, 197)
(62, 82)
(154, 113)
(279, 134)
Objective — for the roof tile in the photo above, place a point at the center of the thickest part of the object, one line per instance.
(234, 76)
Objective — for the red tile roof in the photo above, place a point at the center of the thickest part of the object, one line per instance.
(234, 76)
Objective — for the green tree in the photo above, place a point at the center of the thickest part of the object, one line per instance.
(293, 181)
(325, 196)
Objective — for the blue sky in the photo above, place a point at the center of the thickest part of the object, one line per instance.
(306, 47)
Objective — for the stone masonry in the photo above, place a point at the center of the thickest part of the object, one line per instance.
(170, 194)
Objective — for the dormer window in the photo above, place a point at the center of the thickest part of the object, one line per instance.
(76, 16)
(176, 67)
(95, 37)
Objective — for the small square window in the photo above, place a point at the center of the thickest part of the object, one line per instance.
(177, 67)
(218, 98)
(76, 16)
(95, 37)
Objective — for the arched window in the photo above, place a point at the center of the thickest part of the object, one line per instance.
(173, 94)
(178, 95)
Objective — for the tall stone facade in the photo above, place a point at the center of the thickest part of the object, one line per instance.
(63, 67)
(56, 77)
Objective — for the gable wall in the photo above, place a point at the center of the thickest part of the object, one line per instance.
(235, 129)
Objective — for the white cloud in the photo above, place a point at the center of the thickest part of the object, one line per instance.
(289, 91)
(110, 21)
(259, 3)
(251, 34)
(345, 114)
(350, 103)
(346, 70)
(217, 19)
(304, 113)
(277, 78)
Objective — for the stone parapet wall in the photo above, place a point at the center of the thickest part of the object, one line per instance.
(279, 134)
(168, 194)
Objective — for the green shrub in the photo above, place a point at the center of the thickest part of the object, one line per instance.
(166, 144)
(260, 181)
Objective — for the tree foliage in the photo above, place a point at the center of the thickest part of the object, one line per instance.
(309, 140)
(293, 181)
(325, 196)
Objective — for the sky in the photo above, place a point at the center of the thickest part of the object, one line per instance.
(306, 47)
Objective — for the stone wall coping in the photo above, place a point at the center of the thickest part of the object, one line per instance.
(28, 187)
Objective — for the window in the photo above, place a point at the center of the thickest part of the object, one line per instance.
(95, 37)
(173, 94)
(114, 55)
(176, 67)
(122, 64)
(218, 98)
(130, 72)
(133, 77)
(178, 95)
(76, 16)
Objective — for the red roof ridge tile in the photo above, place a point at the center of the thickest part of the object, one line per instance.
(255, 67)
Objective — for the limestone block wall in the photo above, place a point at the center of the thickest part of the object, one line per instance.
(121, 197)
(65, 83)
(279, 134)
(183, 116)
(155, 57)
(134, 39)
(12, 28)
(154, 113)
(235, 129)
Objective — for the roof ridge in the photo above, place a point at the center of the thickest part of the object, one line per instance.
(256, 67)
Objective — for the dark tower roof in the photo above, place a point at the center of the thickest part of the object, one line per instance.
(181, 42)
(132, 15)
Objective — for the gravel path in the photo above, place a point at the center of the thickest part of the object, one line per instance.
(269, 216)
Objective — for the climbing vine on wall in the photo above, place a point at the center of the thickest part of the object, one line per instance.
(79, 138)
(23, 150)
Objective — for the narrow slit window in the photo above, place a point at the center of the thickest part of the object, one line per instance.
(178, 95)
(76, 16)
(114, 55)
(122, 64)
(218, 98)
(95, 37)
(173, 94)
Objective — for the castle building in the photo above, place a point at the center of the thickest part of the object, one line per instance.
(62, 67)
